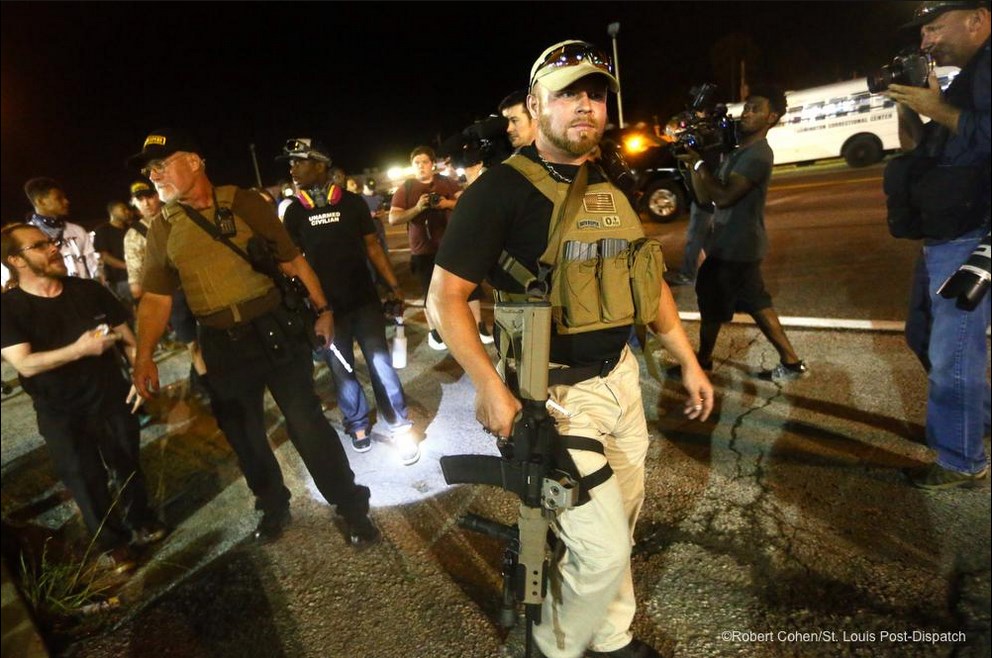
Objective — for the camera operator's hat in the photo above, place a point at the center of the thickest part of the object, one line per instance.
(304, 148)
(928, 11)
(568, 61)
(140, 188)
(160, 144)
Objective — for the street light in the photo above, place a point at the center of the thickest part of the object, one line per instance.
(613, 29)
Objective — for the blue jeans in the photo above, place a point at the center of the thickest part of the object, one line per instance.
(368, 327)
(950, 344)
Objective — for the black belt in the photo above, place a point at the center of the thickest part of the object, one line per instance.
(242, 313)
(576, 374)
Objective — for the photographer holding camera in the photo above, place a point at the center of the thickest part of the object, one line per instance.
(730, 278)
(424, 204)
(946, 332)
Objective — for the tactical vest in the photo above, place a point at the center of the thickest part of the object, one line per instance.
(212, 276)
(598, 271)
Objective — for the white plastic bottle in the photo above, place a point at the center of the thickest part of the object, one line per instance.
(399, 346)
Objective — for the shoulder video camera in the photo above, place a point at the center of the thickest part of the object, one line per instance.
(705, 126)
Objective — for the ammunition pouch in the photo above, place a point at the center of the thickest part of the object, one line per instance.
(598, 271)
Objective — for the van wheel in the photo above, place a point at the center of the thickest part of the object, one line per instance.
(663, 201)
(862, 150)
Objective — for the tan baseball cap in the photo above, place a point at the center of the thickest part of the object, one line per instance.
(568, 61)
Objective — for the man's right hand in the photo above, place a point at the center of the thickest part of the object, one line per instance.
(496, 408)
(144, 376)
(95, 342)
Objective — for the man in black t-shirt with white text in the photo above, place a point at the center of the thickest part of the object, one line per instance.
(334, 229)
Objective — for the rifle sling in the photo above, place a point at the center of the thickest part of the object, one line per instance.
(586, 482)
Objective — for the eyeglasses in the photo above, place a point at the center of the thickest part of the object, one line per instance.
(573, 54)
(158, 166)
(42, 244)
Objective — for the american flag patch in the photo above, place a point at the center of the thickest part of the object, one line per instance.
(599, 202)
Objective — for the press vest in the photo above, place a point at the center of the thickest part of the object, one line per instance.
(598, 271)
(212, 276)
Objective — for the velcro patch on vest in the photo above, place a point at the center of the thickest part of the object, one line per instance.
(600, 202)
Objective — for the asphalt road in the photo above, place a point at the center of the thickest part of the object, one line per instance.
(780, 527)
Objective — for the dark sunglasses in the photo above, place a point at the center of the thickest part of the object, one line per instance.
(573, 54)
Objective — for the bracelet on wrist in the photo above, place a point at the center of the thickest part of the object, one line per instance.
(698, 165)
(326, 308)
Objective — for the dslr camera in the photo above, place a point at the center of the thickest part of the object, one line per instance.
(433, 200)
(908, 68)
(713, 131)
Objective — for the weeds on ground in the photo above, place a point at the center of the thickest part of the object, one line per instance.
(66, 588)
(63, 588)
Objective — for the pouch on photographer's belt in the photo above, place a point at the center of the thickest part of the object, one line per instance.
(898, 180)
(949, 199)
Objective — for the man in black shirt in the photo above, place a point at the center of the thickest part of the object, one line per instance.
(334, 229)
(508, 210)
(59, 333)
(109, 243)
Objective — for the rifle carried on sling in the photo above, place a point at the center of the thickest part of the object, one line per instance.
(525, 467)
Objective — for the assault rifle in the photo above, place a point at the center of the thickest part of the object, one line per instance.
(525, 466)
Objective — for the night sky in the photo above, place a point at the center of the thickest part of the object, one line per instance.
(83, 83)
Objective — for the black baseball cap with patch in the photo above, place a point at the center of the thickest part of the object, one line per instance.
(928, 11)
(160, 144)
(140, 188)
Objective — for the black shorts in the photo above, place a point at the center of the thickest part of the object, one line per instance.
(422, 266)
(724, 287)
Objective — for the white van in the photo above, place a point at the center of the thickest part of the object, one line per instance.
(838, 120)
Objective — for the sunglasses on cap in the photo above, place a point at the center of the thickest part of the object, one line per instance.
(573, 54)
(296, 146)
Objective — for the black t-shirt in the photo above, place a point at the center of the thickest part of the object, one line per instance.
(333, 239)
(48, 323)
(109, 238)
(503, 211)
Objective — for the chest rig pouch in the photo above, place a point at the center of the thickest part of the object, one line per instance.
(598, 270)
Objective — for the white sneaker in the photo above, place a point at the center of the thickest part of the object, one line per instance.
(434, 340)
(406, 445)
(484, 335)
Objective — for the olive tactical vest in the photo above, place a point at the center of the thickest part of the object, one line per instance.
(598, 271)
(212, 276)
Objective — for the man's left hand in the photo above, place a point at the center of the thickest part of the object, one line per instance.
(922, 100)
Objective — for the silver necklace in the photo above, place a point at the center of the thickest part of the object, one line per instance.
(554, 172)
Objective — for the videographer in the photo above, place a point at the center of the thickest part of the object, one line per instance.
(730, 278)
(591, 603)
(948, 339)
